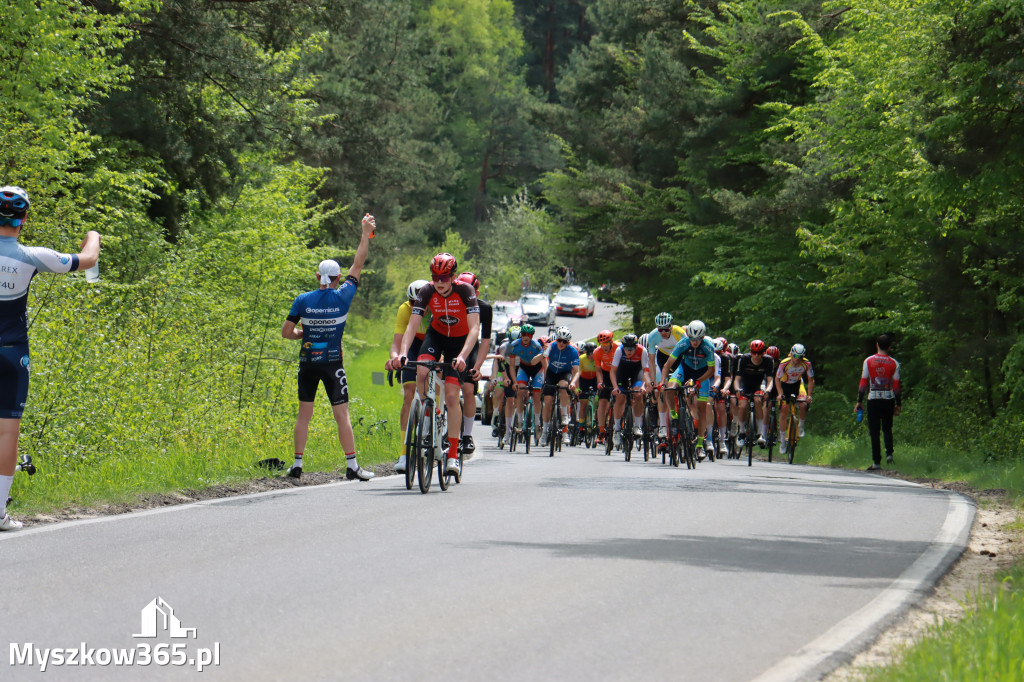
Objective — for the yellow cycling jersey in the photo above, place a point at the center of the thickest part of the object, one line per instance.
(402, 321)
(588, 368)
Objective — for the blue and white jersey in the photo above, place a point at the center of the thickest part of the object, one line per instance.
(701, 357)
(561, 361)
(18, 265)
(525, 353)
(323, 313)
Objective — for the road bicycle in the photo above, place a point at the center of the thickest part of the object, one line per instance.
(554, 425)
(650, 426)
(523, 435)
(751, 428)
(426, 436)
(771, 414)
(792, 425)
(683, 443)
(24, 464)
(590, 427)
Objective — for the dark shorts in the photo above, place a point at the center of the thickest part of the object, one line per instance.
(14, 376)
(790, 390)
(551, 379)
(470, 363)
(588, 385)
(409, 373)
(330, 374)
(437, 346)
(629, 377)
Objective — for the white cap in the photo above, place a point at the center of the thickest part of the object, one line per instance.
(328, 269)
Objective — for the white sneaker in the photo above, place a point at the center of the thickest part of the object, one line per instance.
(452, 466)
(741, 440)
(723, 448)
(617, 438)
(10, 524)
(400, 465)
(709, 446)
(782, 447)
(761, 442)
(637, 431)
(565, 420)
(801, 430)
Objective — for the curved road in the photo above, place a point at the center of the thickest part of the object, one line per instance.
(577, 567)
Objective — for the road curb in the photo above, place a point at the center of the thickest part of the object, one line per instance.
(854, 633)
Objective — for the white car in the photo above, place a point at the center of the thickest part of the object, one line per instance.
(538, 309)
(571, 301)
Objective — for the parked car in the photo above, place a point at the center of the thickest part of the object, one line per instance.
(571, 302)
(609, 292)
(506, 313)
(538, 309)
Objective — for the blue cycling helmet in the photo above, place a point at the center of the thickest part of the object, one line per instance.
(14, 205)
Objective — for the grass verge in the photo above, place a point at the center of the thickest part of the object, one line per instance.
(122, 477)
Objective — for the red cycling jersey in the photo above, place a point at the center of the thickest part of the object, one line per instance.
(880, 378)
(450, 313)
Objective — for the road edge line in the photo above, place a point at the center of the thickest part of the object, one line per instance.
(852, 634)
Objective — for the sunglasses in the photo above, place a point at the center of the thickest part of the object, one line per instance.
(757, 352)
(664, 330)
(561, 341)
(443, 279)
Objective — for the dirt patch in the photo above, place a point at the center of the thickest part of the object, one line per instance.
(155, 500)
(993, 546)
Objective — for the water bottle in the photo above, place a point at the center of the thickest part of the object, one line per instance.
(860, 414)
(92, 275)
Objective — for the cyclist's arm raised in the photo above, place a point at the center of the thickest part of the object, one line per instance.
(369, 225)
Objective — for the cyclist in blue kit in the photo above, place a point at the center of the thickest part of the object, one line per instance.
(528, 356)
(322, 314)
(18, 265)
(697, 366)
(563, 369)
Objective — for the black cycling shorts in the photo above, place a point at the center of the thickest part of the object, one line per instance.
(409, 373)
(14, 378)
(470, 363)
(790, 390)
(437, 346)
(551, 380)
(330, 374)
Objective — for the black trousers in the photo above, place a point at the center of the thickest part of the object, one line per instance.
(880, 422)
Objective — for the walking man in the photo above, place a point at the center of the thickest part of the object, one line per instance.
(881, 381)
(18, 265)
(322, 314)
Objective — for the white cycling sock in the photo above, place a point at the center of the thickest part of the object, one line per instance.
(5, 489)
(467, 426)
(760, 426)
(664, 419)
(618, 424)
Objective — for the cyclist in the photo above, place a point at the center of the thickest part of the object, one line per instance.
(586, 381)
(322, 314)
(406, 374)
(660, 342)
(18, 265)
(720, 390)
(501, 377)
(603, 354)
(792, 373)
(754, 378)
(526, 360)
(563, 368)
(629, 370)
(454, 330)
(476, 360)
(697, 367)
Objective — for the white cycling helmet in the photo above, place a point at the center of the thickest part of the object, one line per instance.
(719, 345)
(798, 350)
(414, 289)
(643, 341)
(734, 349)
(563, 334)
(663, 320)
(696, 330)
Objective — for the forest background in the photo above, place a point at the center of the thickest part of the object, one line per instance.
(797, 171)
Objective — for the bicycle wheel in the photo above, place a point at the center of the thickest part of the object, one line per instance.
(793, 434)
(498, 421)
(751, 425)
(513, 437)
(425, 459)
(773, 428)
(553, 431)
(590, 426)
(412, 443)
(528, 425)
(645, 437)
(689, 438)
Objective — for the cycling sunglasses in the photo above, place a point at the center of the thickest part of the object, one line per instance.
(442, 278)
(561, 341)
(757, 352)
(664, 330)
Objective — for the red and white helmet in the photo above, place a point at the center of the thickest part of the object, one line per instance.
(470, 279)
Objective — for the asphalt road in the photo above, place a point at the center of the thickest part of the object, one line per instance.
(577, 567)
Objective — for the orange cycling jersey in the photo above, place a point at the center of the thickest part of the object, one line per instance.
(604, 359)
(451, 312)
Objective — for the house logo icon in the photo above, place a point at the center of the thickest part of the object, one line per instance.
(158, 616)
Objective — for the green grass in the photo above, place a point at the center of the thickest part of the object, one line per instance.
(121, 477)
(984, 646)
